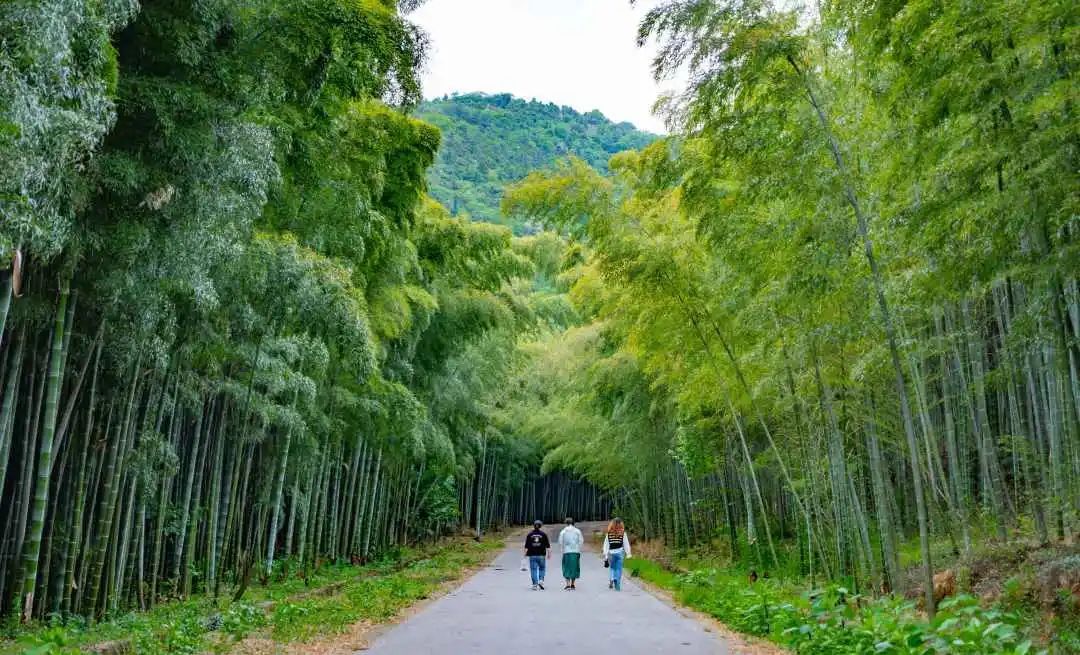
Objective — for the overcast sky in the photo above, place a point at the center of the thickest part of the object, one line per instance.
(579, 53)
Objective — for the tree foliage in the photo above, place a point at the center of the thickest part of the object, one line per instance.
(841, 299)
(245, 334)
(490, 141)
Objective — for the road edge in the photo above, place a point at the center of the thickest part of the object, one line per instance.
(369, 636)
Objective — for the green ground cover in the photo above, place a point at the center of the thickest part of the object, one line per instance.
(833, 621)
(286, 611)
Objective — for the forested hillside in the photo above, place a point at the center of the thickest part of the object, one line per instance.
(490, 141)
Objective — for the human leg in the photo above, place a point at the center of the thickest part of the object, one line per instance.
(616, 570)
(572, 567)
(535, 562)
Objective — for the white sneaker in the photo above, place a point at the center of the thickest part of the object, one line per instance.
(534, 587)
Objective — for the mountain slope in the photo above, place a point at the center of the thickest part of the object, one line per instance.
(490, 141)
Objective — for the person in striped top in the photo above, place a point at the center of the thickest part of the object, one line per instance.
(616, 550)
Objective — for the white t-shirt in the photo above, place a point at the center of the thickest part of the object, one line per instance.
(571, 539)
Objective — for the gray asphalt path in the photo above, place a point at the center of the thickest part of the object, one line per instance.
(496, 612)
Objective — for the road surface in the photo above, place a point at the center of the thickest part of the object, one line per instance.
(496, 612)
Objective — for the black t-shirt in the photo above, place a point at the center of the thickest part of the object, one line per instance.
(536, 543)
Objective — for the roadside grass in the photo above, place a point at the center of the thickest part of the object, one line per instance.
(286, 611)
(833, 621)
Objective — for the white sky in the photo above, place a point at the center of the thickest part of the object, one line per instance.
(580, 53)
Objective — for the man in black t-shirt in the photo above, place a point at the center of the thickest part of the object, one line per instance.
(538, 550)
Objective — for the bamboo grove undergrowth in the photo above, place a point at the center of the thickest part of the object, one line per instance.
(237, 340)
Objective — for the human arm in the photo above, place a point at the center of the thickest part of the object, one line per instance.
(626, 545)
(547, 546)
(606, 548)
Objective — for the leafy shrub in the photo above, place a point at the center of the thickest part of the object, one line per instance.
(288, 615)
(241, 619)
(1018, 591)
(54, 640)
(184, 637)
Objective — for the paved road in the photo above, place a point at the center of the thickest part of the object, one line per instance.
(496, 612)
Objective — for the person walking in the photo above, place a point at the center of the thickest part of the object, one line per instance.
(616, 550)
(538, 550)
(570, 540)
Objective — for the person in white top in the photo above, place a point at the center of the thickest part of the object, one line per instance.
(616, 549)
(570, 539)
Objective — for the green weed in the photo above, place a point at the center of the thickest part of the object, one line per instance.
(833, 621)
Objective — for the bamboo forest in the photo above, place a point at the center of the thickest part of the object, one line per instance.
(825, 329)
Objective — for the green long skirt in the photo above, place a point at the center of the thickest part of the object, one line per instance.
(571, 566)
